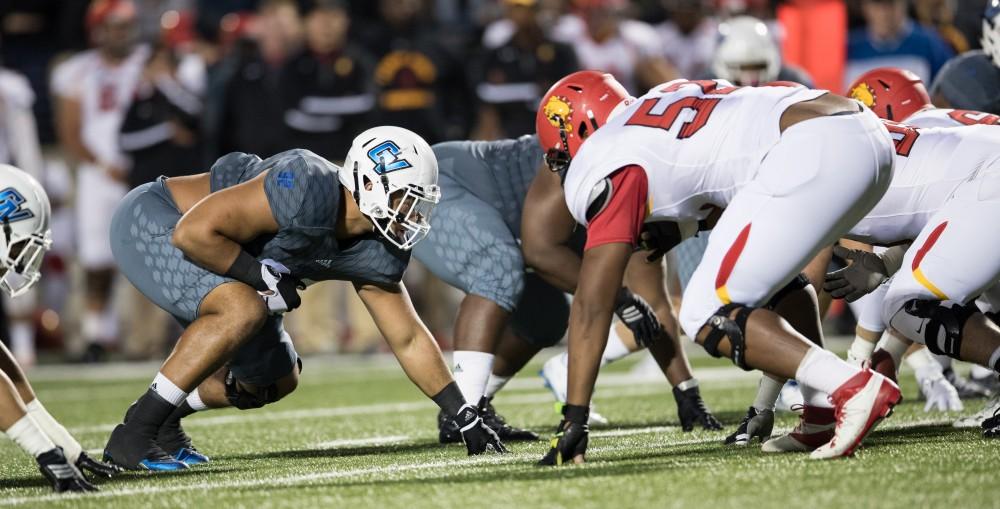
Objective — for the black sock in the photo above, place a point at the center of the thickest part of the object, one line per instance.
(151, 410)
(183, 410)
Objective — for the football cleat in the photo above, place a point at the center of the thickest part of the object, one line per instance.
(990, 382)
(691, 410)
(881, 362)
(975, 420)
(497, 423)
(171, 437)
(131, 451)
(859, 404)
(61, 474)
(815, 428)
(555, 374)
(991, 426)
(755, 424)
(967, 389)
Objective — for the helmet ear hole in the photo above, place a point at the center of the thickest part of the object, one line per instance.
(583, 131)
(368, 183)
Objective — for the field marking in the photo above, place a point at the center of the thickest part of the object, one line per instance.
(293, 480)
(364, 442)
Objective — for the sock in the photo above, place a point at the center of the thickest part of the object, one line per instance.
(29, 436)
(615, 349)
(767, 393)
(494, 384)
(22, 340)
(823, 371)
(55, 431)
(109, 326)
(861, 349)
(167, 390)
(690, 383)
(472, 370)
(151, 411)
(894, 347)
(91, 325)
(984, 372)
(194, 401)
(815, 399)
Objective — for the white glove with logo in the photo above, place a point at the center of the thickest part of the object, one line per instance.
(282, 294)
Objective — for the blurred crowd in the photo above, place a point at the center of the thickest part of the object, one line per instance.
(97, 97)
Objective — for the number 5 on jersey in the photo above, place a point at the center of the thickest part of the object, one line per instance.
(650, 115)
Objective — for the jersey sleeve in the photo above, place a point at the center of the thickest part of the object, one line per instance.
(302, 189)
(622, 217)
(67, 78)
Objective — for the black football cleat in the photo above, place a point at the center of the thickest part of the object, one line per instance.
(131, 451)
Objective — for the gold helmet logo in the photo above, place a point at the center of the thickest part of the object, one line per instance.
(558, 111)
(864, 93)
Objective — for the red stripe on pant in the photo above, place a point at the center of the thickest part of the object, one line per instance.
(729, 262)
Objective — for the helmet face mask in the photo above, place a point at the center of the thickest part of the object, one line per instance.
(393, 179)
(24, 230)
(991, 31)
(22, 262)
(747, 53)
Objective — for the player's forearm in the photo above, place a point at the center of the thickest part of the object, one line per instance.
(588, 335)
(421, 360)
(557, 265)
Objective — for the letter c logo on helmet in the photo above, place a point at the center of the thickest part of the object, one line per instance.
(381, 154)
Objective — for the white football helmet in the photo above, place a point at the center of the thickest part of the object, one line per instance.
(392, 174)
(747, 54)
(991, 31)
(24, 230)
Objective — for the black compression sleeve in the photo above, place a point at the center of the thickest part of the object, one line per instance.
(246, 269)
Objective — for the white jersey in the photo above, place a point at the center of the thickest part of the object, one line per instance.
(945, 117)
(930, 164)
(105, 92)
(698, 142)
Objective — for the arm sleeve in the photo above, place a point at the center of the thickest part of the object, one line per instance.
(621, 219)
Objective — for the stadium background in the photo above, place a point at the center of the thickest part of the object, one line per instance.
(275, 74)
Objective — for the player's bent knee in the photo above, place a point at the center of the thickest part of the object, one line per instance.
(937, 325)
(728, 323)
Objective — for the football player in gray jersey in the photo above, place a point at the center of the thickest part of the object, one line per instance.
(510, 311)
(226, 253)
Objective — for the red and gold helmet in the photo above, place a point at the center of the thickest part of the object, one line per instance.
(572, 110)
(893, 94)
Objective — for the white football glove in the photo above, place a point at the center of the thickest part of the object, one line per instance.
(937, 390)
(282, 294)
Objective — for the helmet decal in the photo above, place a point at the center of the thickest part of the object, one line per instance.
(10, 206)
(382, 152)
(558, 111)
(864, 93)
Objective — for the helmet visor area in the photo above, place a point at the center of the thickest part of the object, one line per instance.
(409, 215)
(22, 264)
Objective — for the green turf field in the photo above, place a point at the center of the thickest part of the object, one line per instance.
(358, 434)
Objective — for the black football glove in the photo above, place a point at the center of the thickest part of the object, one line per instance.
(61, 474)
(659, 237)
(478, 437)
(862, 276)
(636, 314)
(569, 445)
(282, 292)
(691, 410)
(87, 464)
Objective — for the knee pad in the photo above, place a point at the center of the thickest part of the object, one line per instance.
(798, 283)
(245, 400)
(734, 329)
(934, 324)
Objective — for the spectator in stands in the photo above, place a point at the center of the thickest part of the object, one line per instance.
(93, 90)
(418, 79)
(940, 15)
(246, 93)
(327, 89)
(892, 39)
(511, 78)
(605, 40)
(688, 36)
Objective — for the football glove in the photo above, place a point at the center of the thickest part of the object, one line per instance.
(861, 277)
(570, 441)
(87, 464)
(282, 294)
(478, 437)
(61, 474)
(937, 390)
(636, 314)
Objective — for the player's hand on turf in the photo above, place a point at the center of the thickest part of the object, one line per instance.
(636, 314)
(282, 294)
(862, 276)
(61, 474)
(87, 464)
(940, 394)
(478, 437)
(570, 441)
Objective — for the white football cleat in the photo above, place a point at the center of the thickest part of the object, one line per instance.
(815, 428)
(859, 404)
(555, 373)
(976, 420)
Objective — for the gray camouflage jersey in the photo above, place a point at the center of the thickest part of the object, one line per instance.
(303, 190)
